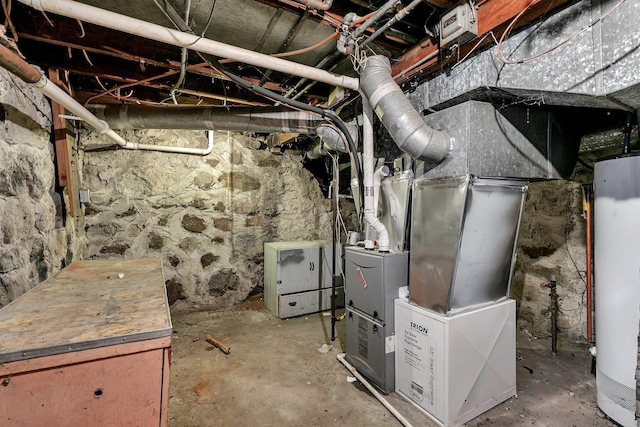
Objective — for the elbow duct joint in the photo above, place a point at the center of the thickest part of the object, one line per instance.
(406, 127)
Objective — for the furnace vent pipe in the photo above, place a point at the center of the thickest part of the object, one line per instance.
(258, 119)
(369, 188)
(240, 119)
(408, 130)
(129, 25)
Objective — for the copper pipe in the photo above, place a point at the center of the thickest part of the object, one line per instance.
(589, 273)
(18, 66)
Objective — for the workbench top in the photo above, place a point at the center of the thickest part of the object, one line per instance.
(87, 305)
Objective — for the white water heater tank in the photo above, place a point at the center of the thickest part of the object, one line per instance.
(617, 284)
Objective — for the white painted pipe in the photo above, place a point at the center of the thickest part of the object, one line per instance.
(126, 24)
(58, 95)
(369, 192)
(168, 149)
(373, 391)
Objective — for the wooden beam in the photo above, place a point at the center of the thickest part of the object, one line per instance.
(59, 135)
(493, 15)
(67, 169)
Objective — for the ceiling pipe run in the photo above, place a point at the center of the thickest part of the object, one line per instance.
(126, 24)
(406, 127)
(34, 77)
(240, 119)
(31, 75)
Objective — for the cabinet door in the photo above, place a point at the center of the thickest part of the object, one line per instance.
(117, 391)
(298, 269)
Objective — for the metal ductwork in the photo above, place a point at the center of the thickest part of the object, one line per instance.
(398, 116)
(241, 119)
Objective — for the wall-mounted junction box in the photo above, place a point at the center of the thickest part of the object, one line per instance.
(459, 24)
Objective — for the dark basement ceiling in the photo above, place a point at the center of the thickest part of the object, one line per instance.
(93, 60)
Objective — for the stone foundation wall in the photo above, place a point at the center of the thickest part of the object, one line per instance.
(551, 242)
(34, 244)
(207, 217)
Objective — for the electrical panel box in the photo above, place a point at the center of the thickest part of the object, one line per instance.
(459, 25)
(454, 368)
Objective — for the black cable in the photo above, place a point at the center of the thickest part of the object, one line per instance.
(330, 115)
(583, 163)
(327, 114)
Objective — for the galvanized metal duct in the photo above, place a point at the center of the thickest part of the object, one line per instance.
(242, 119)
(408, 130)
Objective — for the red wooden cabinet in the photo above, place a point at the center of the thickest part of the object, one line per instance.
(88, 347)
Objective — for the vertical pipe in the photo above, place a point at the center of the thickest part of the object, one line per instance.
(336, 242)
(588, 207)
(554, 314)
(367, 166)
(627, 134)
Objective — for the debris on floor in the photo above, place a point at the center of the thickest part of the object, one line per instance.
(326, 348)
(214, 342)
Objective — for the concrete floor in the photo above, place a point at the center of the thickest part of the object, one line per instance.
(275, 376)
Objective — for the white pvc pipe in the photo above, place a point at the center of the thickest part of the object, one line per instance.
(126, 24)
(168, 149)
(58, 95)
(373, 391)
(369, 191)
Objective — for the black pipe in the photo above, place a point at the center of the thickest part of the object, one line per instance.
(627, 134)
(554, 314)
(336, 242)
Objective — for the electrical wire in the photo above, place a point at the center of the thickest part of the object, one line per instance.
(306, 49)
(148, 79)
(490, 33)
(565, 41)
(206, 27)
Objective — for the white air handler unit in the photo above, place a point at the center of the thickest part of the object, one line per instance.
(455, 368)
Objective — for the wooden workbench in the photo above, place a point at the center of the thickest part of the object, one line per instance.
(88, 347)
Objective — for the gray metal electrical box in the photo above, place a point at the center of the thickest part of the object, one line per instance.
(372, 283)
(459, 25)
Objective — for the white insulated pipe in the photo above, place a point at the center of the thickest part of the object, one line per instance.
(369, 189)
(179, 150)
(58, 95)
(373, 391)
(126, 24)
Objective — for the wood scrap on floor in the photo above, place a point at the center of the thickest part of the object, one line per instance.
(214, 342)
